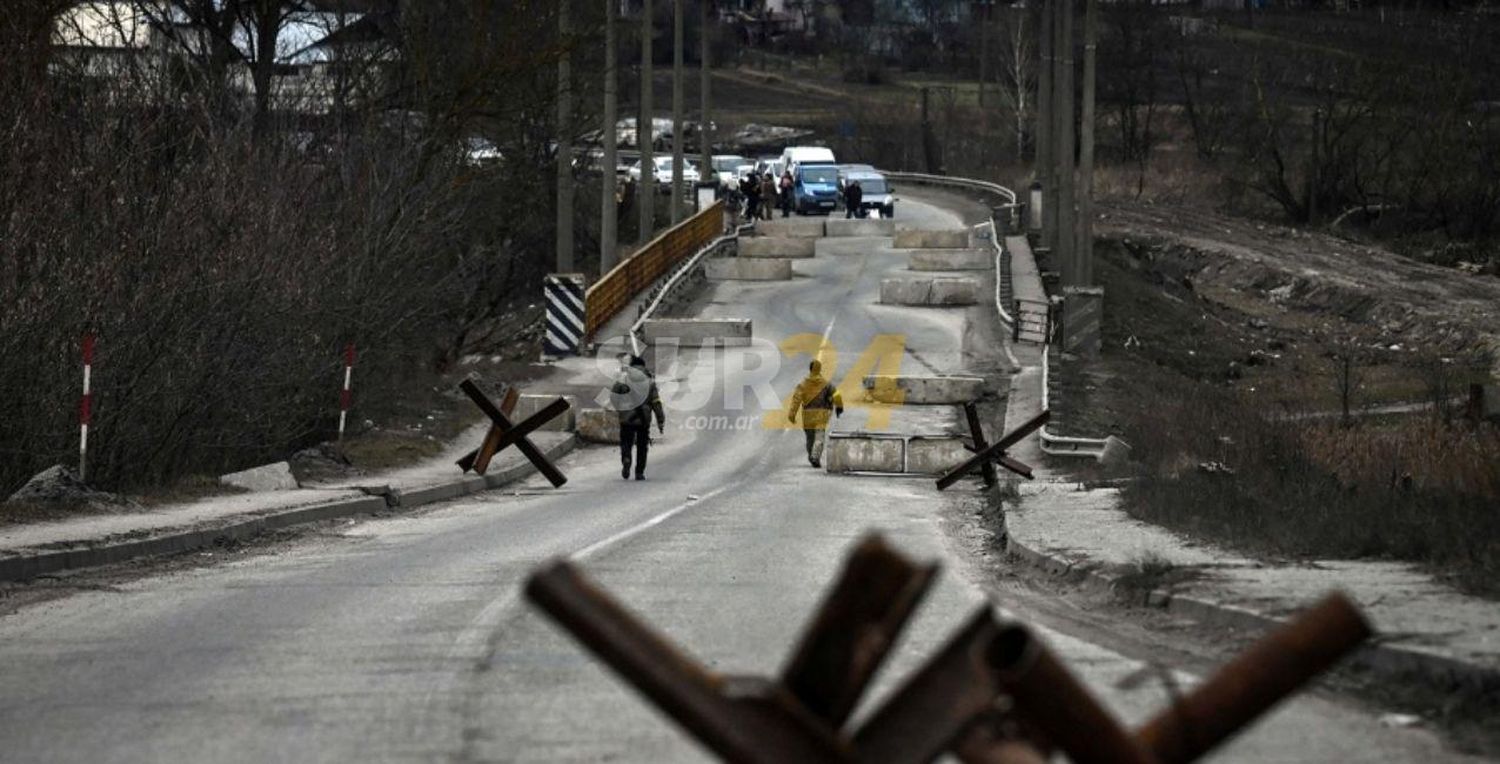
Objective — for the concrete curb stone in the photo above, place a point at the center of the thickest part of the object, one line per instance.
(25, 567)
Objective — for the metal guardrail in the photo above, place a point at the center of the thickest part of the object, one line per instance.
(1052, 444)
(1004, 292)
(606, 298)
(665, 290)
(966, 184)
(1033, 317)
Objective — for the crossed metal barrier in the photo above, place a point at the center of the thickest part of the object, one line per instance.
(994, 694)
(503, 433)
(986, 456)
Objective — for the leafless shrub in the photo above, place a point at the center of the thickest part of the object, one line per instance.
(224, 259)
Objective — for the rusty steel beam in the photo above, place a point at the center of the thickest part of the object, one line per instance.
(1001, 752)
(995, 451)
(976, 432)
(1020, 468)
(479, 461)
(525, 427)
(1000, 737)
(529, 449)
(937, 703)
(1274, 667)
(747, 721)
(509, 397)
(1061, 709)
(854, 629)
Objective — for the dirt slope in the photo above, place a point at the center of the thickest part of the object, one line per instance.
(1284, 276)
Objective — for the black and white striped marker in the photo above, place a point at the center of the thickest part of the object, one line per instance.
(565, 321)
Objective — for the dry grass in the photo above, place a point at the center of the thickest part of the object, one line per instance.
(188, 489)
(1172, 175)
(1423, 453)
(1149, 572)
(1297, 490)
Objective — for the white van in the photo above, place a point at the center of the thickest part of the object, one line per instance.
(794, 156)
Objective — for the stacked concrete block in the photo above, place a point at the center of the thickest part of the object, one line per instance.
(935, 292)
(697, 332)
(909, 238)
(864, 453)
(777, 246)
(749, 269)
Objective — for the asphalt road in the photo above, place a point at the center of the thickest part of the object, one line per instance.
(407, 638)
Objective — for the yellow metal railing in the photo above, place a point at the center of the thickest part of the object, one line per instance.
(607, 297)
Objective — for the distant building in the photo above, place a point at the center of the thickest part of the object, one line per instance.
(335, 54)
(109, 39)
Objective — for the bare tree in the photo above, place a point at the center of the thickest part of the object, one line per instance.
(1348, 360)
(1135, 37)
(1018, 70)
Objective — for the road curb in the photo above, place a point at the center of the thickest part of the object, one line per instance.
(1391, 661)
(25, 567)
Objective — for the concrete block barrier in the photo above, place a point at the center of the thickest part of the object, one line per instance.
(910, 238)
(936, 291)
(530, 403)
(934, 456)
(431, 494)
(950, 260)
(749, 269)
(270, 477)
(864, 453)
(955, 291)
(698, 332)
(792, 228)
(927, 391)
(855, 227)
(1116, 452)
(777, 246)
(598, 425)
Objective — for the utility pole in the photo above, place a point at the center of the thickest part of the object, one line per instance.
(564, 141)
(1063, 150)
(677, 127)
(645, 191)
(929, 141)
(1044, 126)
(1085, 243)
(705, 134)
(609, 211)
(985, 6)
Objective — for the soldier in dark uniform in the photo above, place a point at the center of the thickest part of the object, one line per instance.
(635, 398)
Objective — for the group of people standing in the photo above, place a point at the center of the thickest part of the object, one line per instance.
(764, 194)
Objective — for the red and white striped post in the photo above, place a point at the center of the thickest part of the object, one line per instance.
(85, 406)
(345, 397)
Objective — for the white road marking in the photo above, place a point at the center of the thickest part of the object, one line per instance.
(598, 546)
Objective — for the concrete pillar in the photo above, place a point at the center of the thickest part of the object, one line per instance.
(705, 118)
(645, 193)
(1034, 203)
(609, 211)
(1065, 158)
(564, 141)
(1084, 244)
(678, 139)
(1043, 188)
